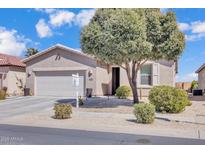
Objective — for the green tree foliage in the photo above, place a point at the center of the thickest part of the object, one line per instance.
(130, 37)
(194, 85)
(31, 52)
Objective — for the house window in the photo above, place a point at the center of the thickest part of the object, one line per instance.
(146, 75)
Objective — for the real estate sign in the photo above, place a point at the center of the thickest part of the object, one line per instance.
(76, 83)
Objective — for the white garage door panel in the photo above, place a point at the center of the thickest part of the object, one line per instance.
(52, 85)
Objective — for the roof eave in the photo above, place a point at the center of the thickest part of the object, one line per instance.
(13, 65)
(52, 48)
(200, 68)
(197, 71)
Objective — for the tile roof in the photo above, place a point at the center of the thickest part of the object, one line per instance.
(8, 60)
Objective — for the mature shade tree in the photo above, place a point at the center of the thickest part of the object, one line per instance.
(130, 37)
(31, 52)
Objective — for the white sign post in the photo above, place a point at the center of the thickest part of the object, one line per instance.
(76, 83)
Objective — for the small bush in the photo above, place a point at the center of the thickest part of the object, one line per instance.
(123, 92)
(189, 103)
(5, 89)
(30, 93)
(81, 101)
(2, 95)
(62, 111)
(144, 112)
(168, 99)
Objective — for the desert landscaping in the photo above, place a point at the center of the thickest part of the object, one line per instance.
(116, 115)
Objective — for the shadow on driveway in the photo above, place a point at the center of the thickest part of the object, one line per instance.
(66, 101)
(99, 102)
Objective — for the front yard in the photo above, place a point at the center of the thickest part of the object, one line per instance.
(194, 113)
(116, 115)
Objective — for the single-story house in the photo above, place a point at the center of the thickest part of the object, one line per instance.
(12, 74)
(201, 77)
(52, 73)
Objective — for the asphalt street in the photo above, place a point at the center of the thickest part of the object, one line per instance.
(26, 135)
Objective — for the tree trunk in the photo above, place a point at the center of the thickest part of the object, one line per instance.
(132, 78)
(135, 92)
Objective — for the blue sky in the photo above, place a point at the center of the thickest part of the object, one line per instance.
(42, 28)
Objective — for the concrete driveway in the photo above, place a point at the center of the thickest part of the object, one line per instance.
(22, 105)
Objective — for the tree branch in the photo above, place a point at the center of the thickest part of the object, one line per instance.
(143, 62)
(128, 70)
(139, 64)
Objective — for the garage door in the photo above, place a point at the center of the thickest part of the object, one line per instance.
(58, 84)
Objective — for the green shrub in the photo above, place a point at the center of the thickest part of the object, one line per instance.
(189, 103)
(2, 95)
(144, 112)
(30, 93)
(62, 111)
(5, 89)
(168, 99)
(123, 92)
(81, 101)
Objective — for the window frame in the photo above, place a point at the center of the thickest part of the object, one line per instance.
(150, 82)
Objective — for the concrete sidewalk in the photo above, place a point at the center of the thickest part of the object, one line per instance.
(110, 122)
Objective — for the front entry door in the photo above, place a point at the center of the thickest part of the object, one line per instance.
(115, 79)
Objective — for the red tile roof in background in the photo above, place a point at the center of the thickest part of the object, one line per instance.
(8, 60)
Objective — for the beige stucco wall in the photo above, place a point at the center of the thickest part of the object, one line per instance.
(201, 79)
(101, 79)
(59, 58)
(167, 73)
(14, 85)
(4, 70)
(142, 90)
(10, 79)
(165, 76)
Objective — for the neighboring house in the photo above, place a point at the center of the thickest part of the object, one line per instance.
(49, 73)
(12, 74)
(184, 85)
(201, 77)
